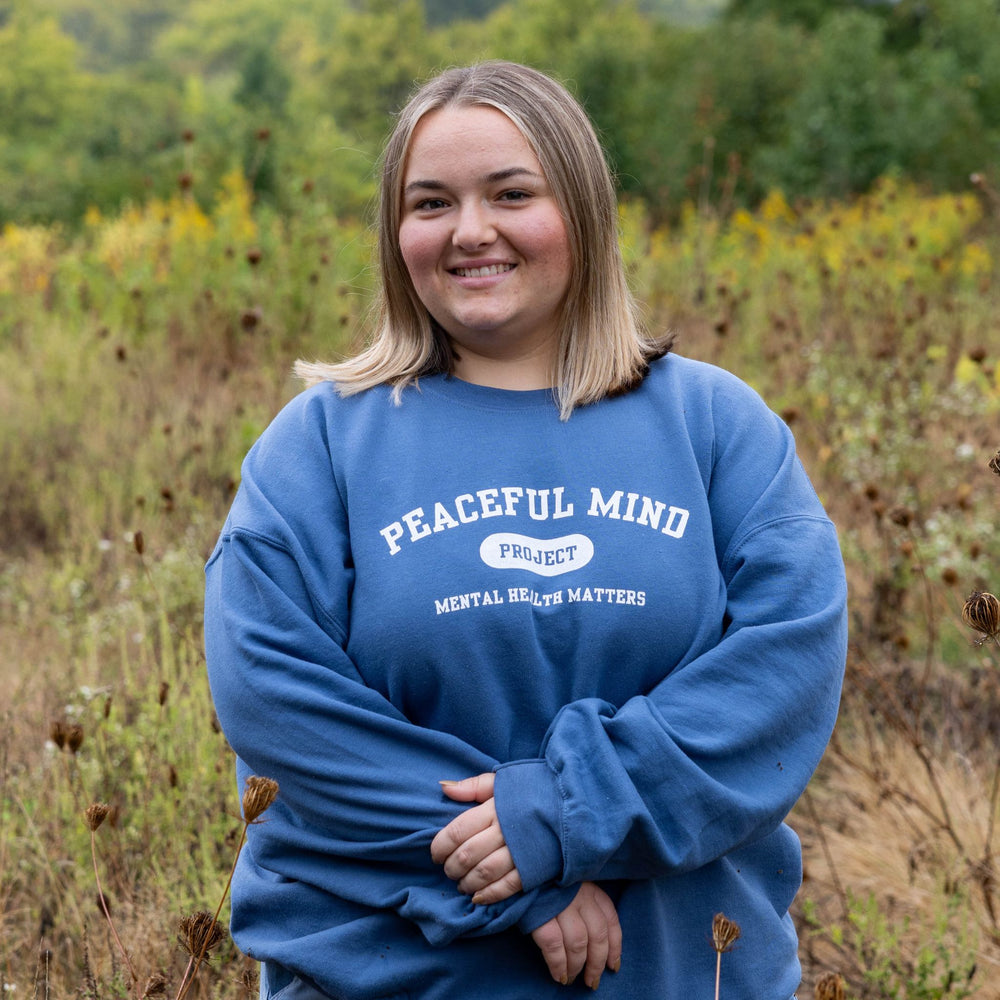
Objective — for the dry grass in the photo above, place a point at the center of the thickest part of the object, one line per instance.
(139, 361)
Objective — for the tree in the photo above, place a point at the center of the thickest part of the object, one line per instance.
(807, 13)
(382, 49)
(840, 126)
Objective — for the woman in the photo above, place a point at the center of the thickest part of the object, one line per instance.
(538, 626)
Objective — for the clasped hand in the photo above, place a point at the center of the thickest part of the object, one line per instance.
(585, 937)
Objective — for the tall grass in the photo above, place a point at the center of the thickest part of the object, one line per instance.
(140, 358)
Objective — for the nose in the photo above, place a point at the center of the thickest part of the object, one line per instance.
(474, 227)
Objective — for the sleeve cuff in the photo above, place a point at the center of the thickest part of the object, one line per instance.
(529, 809)
(550, 903)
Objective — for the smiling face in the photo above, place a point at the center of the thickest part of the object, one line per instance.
(485, 245)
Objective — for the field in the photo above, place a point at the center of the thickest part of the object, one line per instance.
(141, 356)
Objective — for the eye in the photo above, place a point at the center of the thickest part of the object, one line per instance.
(515, 195)
(429, 204)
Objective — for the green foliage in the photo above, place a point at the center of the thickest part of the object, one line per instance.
(820, 98)
(386, 45)
(943, 966)
(840, 125)
(807, 13)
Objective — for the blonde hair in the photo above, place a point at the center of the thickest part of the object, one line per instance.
(602, 348)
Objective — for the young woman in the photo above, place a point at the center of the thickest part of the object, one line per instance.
(539, 627)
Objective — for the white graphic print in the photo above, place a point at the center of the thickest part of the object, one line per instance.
(549, 504)
(544, 557)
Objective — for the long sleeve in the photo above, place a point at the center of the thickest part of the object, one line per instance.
(714, 756)
(359, 796)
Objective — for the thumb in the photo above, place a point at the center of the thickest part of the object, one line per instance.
(476, 789)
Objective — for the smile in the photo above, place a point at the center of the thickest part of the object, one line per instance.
(482, 272)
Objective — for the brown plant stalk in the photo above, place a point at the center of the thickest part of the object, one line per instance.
(725, 933)
(95, 815)
(258, 794)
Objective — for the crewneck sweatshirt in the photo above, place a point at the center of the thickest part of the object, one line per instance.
(635, 617)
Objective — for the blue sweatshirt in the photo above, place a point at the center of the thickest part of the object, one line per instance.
(636, 617)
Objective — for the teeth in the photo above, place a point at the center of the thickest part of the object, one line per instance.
(482, 272)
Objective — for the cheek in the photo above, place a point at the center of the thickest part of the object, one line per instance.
(419, 251)
(550, 241)
(554, 249)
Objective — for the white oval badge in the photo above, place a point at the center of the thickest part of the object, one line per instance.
(545, 557)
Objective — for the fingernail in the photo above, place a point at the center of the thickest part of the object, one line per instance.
(617, 965)
(597, 982)
(478, 899)
(563, 980)
(447, 782)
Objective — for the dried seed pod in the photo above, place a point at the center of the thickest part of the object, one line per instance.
(138, 542)
(57, 733)
(156, 986)
(995, 463)
(982, 613)
(74, 737)
(901, 515)
(250, 980)
(96, 814)
(830, 986)
(250, 318)
(258, 794)
(200, 933)
(725, 933)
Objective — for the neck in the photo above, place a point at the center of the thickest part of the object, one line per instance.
(532, 370)
(504, 375)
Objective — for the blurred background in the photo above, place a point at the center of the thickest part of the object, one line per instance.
(808, 197)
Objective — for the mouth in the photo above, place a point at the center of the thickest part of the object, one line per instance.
(482, 272)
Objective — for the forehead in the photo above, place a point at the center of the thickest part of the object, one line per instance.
(465, 137)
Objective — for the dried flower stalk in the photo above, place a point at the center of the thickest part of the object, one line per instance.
(201, 933)
(95, 816)
(982, 613)
(258, 794)
(725, 934)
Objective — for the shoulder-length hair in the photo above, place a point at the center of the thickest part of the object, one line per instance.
(602, 349)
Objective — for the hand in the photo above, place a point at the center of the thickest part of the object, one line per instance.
(472, 846)
(585, 936)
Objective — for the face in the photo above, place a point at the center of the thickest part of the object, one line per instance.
(485, 244)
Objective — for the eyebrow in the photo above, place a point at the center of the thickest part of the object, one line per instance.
(492, 178)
